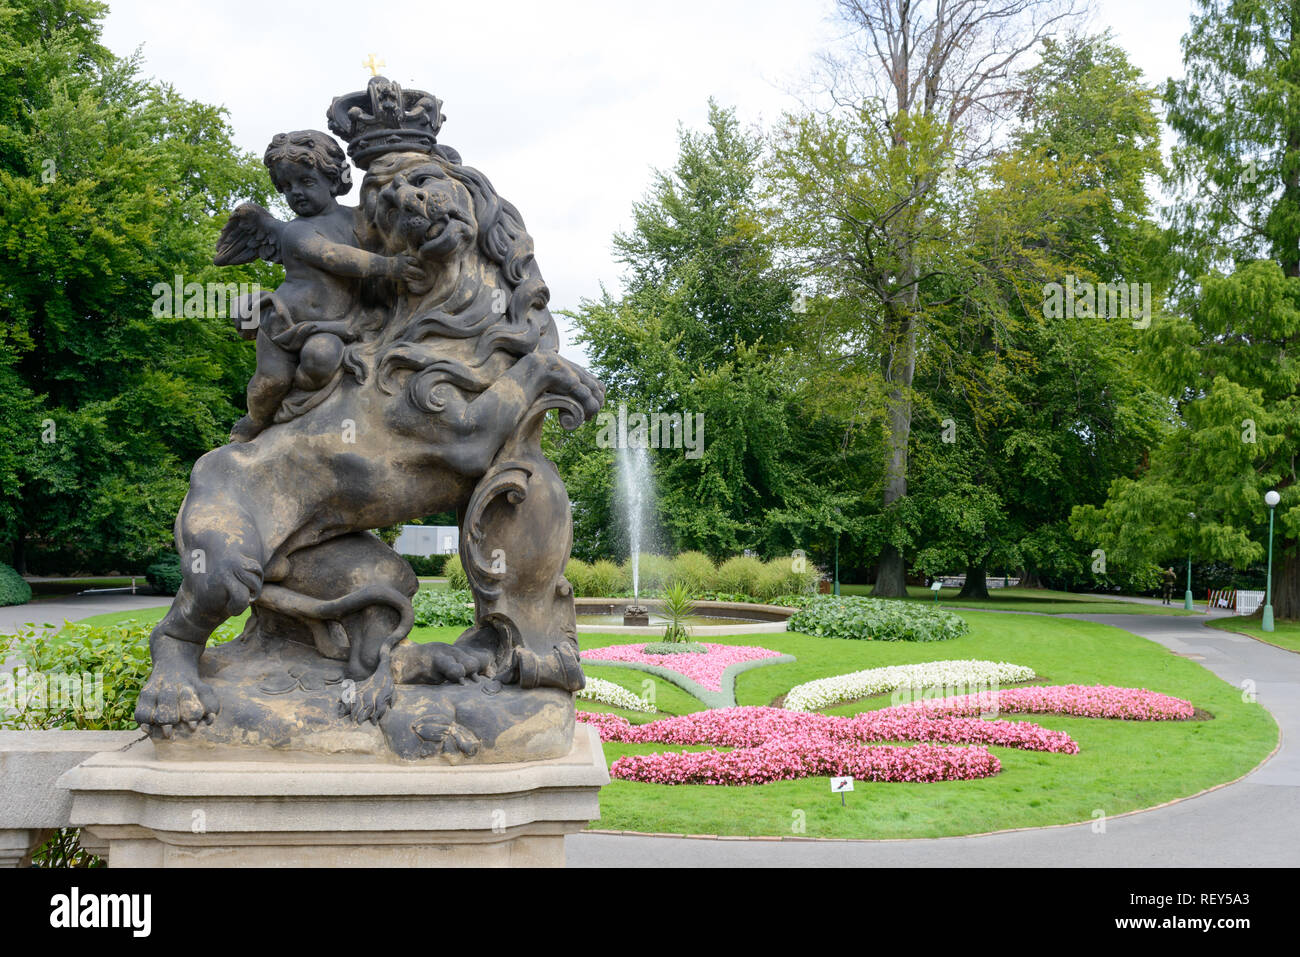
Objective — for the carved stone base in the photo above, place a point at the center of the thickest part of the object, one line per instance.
(283, 695)
(314, 811)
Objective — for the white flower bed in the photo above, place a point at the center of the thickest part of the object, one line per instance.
(606, 692)
(935, 678)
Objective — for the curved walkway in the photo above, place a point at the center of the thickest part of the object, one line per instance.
(1252, 823)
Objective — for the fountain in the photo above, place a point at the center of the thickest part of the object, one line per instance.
(635, 483)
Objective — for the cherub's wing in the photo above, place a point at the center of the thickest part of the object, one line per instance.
(250, 233)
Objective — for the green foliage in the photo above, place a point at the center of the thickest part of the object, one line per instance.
(95, 674)
(457, 580)
(675, 647)
(696, 570)
(1227, 361)
(740, 574)
(874, 619)
(110, 185)
(655, 570)
(165, 574)
(13, 590)
(427, 566)
(443, 608)
(580, 576)
(608, 578)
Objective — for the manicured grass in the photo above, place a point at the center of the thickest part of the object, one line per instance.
(1285, 633)
(1122, 765)
(1040, 600)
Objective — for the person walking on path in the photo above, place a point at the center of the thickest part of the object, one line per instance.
(1170, 578)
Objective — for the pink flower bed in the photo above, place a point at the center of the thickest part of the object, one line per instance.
(1084, 701)
(772, 744)
(704, 668)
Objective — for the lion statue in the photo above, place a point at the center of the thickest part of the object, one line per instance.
(438, 367)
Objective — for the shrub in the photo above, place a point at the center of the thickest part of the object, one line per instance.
(457, 580)
(427, 566)
(675, 648)
(103, 669)
(13, 590)
(656, 571)
(697, 570)
(165, 574)
(442, 608)
(739, 574)
(581, 577)
(608, 579)
(773, 580)
(878, 619)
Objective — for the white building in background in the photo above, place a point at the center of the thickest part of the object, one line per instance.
(428, 540)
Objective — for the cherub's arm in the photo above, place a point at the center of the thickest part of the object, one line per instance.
(340, 259)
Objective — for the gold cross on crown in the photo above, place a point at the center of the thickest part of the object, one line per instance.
(373, 65)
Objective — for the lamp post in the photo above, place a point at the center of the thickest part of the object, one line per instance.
(837, 552)
(1187, 598)
(1271, 499)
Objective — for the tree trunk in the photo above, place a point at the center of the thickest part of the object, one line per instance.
(891, 575)
(1286, 582)
(899, 367)
(1029, 578)
(976, 584)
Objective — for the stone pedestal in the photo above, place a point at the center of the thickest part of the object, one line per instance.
(31, 805)
(286, 810)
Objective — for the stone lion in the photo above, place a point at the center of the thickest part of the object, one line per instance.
(437, 403)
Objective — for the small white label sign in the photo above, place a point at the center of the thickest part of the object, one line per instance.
(841, 784)
(937, 585)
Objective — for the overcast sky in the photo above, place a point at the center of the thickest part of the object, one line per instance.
(566, 106)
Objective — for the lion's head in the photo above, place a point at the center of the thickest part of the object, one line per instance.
(487, 304)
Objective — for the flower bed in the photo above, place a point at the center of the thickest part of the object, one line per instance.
(825, 692)
(773, 744)
(1083, 701)
(875, 619)
(606, 692)
(705, 670)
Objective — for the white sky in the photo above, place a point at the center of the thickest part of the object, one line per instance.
(565, 105)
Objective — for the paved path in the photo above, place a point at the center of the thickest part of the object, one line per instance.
(53, 611)
(1253, 823)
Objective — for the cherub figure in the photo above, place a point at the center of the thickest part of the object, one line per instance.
(303, 325)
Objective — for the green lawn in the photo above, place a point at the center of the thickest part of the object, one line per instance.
(1285, 634)
(1040, 600)
(1122, 766)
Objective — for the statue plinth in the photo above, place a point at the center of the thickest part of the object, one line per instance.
(234, 809)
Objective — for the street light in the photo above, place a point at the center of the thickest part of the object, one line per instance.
(1270, 499)
(1187, 598)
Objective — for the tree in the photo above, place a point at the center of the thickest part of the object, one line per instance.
(703, 330)
(110, 187)
(1227, 359)
(1045, 409)
(919, 92)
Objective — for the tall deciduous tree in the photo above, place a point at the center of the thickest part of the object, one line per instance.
(1228, 360)
(702, 329)
(919, 92)
(109, 186)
